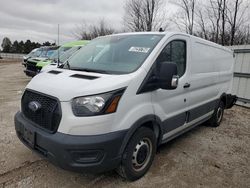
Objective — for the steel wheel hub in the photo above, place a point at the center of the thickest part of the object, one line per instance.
(219, 115)
(141, 155)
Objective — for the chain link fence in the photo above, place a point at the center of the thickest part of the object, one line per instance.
(11, 56)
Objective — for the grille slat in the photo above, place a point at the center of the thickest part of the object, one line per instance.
(48, 116)
(31, 66)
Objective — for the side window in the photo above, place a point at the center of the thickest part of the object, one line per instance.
(175, 52)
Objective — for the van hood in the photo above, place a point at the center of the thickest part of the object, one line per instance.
(67, 84)
(44, 63)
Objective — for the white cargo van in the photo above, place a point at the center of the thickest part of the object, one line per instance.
(113, 102)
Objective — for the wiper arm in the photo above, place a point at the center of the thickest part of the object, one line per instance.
(58, 62)
(67, 63)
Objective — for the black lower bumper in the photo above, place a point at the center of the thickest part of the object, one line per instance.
(30, 73)
(77, 153)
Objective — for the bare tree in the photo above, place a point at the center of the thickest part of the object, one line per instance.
(101, 29)
(216, 7)
(236, 14)
(142, 15)
(213, 12)
(88, 32)
(81, 31)
(202, 24)
(222, 21)
(187, 13)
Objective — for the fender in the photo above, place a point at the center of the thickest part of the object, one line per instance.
(155, 120)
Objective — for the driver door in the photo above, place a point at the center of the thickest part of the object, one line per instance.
(171, 105)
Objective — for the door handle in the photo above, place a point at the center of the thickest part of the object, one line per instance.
(186, 85)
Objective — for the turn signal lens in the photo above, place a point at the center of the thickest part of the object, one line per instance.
(113, 105)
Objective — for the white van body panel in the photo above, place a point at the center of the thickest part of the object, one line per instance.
(206, 77)
(81, 120)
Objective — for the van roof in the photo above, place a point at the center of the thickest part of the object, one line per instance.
(170, 33)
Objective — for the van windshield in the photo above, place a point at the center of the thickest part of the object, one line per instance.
(117, 54)
(59, 52)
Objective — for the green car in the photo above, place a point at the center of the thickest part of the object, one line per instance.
(57, 57)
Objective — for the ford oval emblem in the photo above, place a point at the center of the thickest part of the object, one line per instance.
(34, 106)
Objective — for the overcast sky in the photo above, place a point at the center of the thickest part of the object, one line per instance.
(37, 19)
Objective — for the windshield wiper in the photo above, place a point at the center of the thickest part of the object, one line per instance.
(67, 63)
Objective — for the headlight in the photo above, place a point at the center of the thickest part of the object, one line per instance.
(97, 104)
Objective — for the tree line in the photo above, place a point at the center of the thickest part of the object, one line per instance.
(21, 46)
(222, 21)
(225, 22)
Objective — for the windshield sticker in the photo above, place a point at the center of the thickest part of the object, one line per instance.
(139, 49)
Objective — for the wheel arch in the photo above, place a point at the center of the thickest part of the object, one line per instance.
(223, 98)
(151, 121)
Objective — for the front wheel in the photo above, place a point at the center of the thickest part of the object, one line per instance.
(138, 155)
(216, 119)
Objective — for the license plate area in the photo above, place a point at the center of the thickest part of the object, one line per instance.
(29, 137)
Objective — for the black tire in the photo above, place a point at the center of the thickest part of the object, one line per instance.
(216, 119)
(138, 154)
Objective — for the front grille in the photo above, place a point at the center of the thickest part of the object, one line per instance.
(31, 66)
(48, 116)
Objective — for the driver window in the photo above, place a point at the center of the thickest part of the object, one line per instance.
(175, 52)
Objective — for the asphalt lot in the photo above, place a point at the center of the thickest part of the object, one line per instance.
(203, 157)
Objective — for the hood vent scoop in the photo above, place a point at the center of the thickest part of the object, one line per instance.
(54, 72)
(81, 76)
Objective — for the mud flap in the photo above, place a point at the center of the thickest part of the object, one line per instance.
(231, 100)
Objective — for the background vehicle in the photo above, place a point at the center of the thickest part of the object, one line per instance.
(63, 58)
(34, 53)
(65, 52)
(45, 53)
(121, 96)
(39, 63)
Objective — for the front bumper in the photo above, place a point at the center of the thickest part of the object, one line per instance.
(30, 73)
(31, 69)
(24, 63)
(97, 153)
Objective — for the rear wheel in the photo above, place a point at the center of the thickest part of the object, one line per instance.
(138, 155)
(216, 119)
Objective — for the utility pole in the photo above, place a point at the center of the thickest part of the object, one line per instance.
(58, 32)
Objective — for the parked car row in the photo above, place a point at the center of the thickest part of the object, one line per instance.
(38, 53)
(52, 55)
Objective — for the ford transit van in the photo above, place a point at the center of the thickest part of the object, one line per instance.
(118, 98)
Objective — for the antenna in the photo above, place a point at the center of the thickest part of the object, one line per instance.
(161, 30)
(58, 58)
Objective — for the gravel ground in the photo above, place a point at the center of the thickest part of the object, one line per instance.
(203, 157)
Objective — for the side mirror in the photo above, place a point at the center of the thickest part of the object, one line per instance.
(167, 74)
